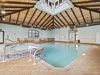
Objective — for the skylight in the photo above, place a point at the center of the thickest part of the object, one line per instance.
(53, 7)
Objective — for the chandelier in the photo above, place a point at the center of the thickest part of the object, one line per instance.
(53, 7)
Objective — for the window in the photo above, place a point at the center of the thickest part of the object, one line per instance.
(33, 33)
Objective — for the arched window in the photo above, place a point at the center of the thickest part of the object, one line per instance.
(33, 33)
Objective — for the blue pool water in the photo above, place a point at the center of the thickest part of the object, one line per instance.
(61, 54)
(18, 47)
(57, 54)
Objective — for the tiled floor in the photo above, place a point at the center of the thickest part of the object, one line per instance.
(83, 65)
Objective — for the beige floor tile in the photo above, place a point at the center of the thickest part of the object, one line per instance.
(83, 65)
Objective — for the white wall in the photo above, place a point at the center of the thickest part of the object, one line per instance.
(85, 34)
(98, 37)
(61, 34)
(88, 34)
(21, 32)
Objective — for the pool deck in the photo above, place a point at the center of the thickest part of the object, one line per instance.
(83, 65)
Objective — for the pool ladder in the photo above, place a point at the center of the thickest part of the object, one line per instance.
(34, 55)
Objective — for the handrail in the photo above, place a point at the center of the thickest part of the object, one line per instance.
(36, 49)
(10, 41)
(4, 57)
(34, 63)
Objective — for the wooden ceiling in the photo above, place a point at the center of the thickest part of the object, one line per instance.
(22, 13)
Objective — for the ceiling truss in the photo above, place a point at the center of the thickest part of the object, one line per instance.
(47, 21)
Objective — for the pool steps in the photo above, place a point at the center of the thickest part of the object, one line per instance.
(18, 54)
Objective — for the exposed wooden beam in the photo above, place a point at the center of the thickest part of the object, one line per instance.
(42, 19)
(50, 26)
(25, 16)
(57, 25)
(99, 16)
(10, 19)
(69, 17)
(17, 17)
(86, 8)
(26, 26)
(37, 18)
(53, 27)
(45, 20)
(98, 8)
(60, 20)
(47, 26)
(51, 23)
(14, 24)
(19, 10)
(8, 10)
(81, 2)
(90, 24)
(1, 18)
(91, 16)
(16, 2)
(32, 17)
(75, 16)
(9, 23)
(82, 15)
(9, 6)
(96, 5)
(7, 13)
(0, 15)
(64, 18)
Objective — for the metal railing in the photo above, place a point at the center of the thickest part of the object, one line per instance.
(10, 41)
(5, 45)
(36, 53)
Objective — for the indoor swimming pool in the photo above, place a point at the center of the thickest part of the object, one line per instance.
(56, 54)
(61, 54)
